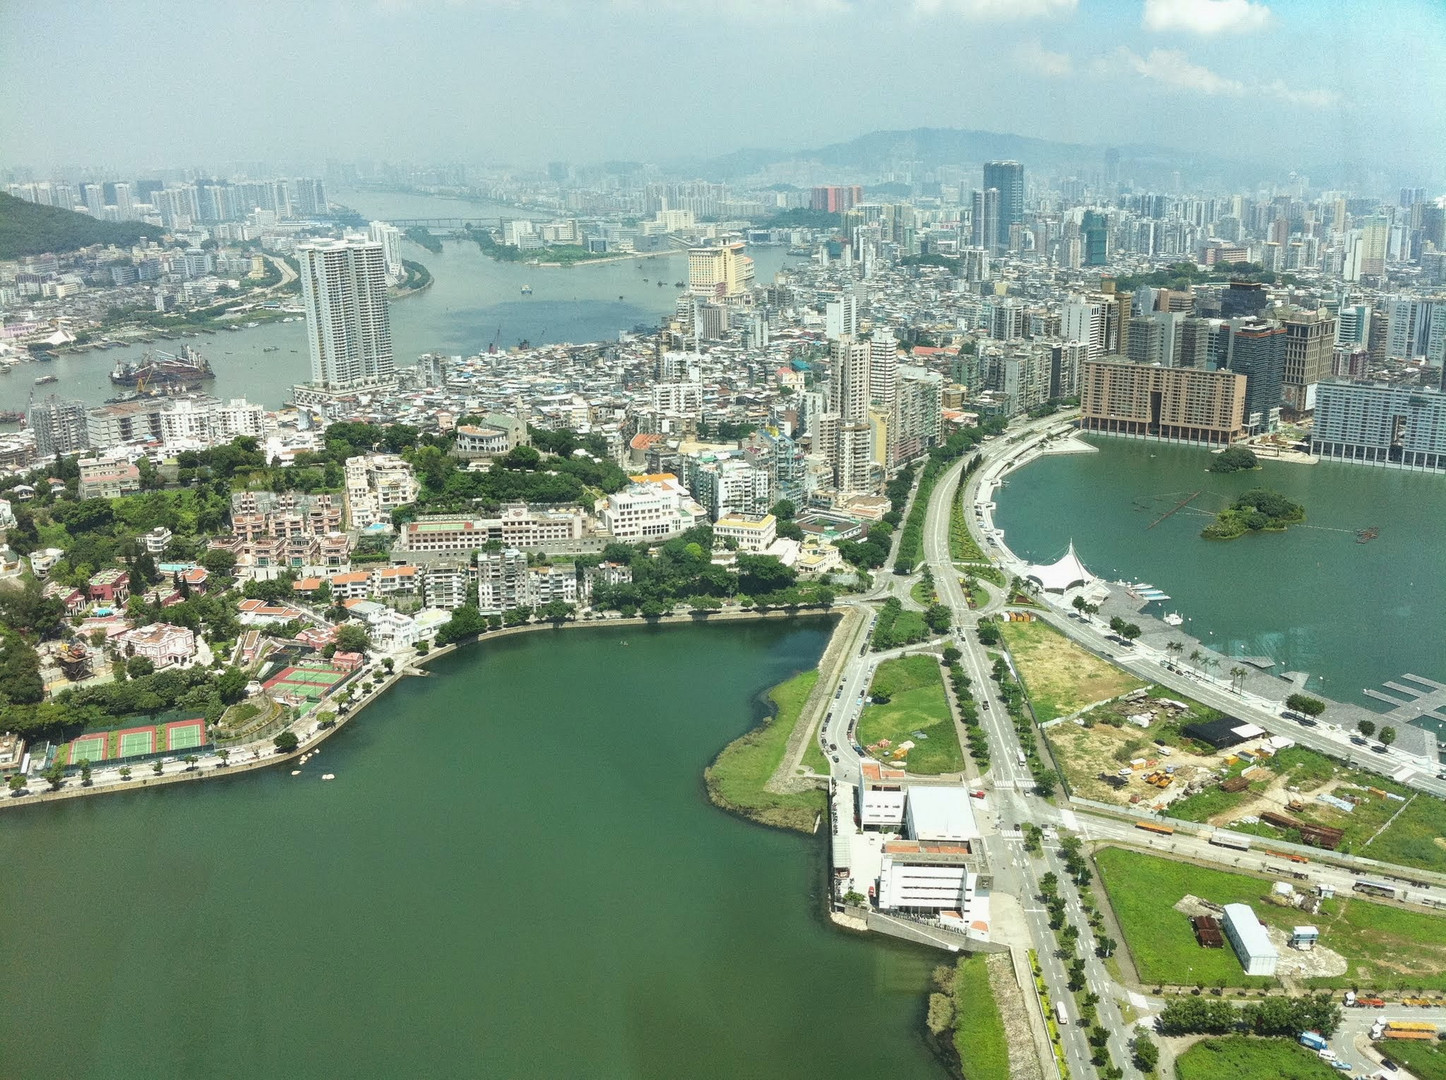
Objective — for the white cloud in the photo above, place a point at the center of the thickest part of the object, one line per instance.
(1294, 95)
(1037, 60)
(996, 9)
(1171, 67)
(1206, 16)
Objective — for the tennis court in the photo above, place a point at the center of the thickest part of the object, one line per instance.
(307, 682)
(185, 735)
(135, 741)
(88, 748)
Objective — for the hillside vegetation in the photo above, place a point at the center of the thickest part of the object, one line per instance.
(29, 229)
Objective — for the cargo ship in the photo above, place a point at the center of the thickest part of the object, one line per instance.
(159, 369)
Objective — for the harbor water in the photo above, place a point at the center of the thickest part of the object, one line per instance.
(512, 875)
(1315, 598)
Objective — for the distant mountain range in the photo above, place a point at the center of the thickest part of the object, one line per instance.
(880, 151)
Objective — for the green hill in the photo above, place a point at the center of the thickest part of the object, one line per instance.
(29, 229)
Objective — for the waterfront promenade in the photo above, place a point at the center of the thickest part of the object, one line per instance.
(1258, 696)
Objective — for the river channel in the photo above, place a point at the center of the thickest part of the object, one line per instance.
(474, 300)
(515, 873)
(1353, 615)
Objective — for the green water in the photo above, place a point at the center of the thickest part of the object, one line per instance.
(1353, 615)
(515, 873)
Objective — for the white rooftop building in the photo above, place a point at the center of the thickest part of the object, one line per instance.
(1062, 575)
(1248, 937)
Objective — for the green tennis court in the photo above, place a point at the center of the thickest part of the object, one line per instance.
(185, 735)
(137, 741)
(88, 748)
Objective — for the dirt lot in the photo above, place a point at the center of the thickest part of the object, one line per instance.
(1060, 677)
(1106, 741)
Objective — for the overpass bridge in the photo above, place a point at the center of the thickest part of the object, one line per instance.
(449, 223)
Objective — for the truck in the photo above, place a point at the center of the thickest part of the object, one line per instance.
(1313, 1040)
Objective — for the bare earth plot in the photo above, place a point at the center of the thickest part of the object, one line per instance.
(1060, 677)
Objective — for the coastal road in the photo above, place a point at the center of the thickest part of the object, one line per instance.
(1011, 782)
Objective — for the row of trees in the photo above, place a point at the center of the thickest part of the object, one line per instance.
(1287, 1016)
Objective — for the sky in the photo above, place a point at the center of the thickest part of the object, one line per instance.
(150, 83)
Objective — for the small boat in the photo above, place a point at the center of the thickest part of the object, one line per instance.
(44, 379)
(527, 290)
(328, 776)
(1364, 536)
(1174, 619)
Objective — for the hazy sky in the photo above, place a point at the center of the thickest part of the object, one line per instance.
(179, 82)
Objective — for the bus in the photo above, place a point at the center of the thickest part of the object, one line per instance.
(1061, 1017)
(1376, 888)
(1150, 826)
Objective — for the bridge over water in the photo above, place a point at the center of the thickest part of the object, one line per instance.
(447, 223)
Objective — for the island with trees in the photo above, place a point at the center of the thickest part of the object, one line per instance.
(1235, 459)
(1257, 510)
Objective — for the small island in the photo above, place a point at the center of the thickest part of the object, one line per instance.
(1257, 510)
(1235, 459)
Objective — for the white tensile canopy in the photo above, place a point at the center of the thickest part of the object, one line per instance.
(1062, 575)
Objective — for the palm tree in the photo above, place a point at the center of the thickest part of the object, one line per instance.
(1195, 657)
(224, 755)
(1237, 677)
(1174, 648)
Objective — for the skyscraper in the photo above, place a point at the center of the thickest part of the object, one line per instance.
(1095, 232)
(1258, 353)
(986, 220)
(1006, 177)
(348, 323)
(849, 399)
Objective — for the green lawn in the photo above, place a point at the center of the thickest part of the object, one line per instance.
(922, 593)
(1242, 1058)
(962, 547)
(1416, 838)
(915, 686)
(1427, 1060)
(813, 758)
(1385, 947)
(978, 1029)
(1059, 676)
(737, 776)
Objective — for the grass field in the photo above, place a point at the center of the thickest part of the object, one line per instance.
(1242, 1058)
(915, 686)
(1384, 946)
(921, 593)
(1416, 838)
(1059, 676)
(962, 547)
(1426, 1060)
(737, 776)
(978, 1028)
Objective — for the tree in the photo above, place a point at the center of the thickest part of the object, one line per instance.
(231, 685)
(286, 742)
(1388, 735)
(1079, 604)
(1106, 947)
(190, 760)
(556, 611)
(85, 772)
(1144, 1052)
(140, 666)
(1303, 703)
(939, 618)
(1129, 631)
(1195, 657)
(352, 638)
(388, 663)
(55, 775)
(143, 571)
(156, 766)
(952, 655)
(16, 783)
(1237, 677)
(1366, 728)
(225, 756)
(1044, 785)
(1174, 648)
